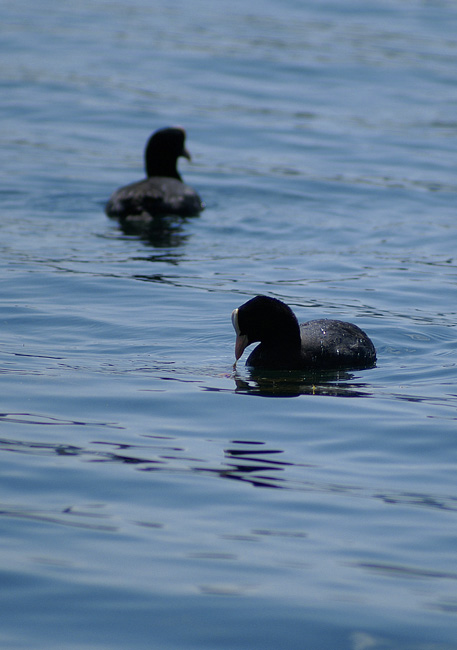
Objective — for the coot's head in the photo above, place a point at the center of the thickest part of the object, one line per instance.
(162, 151)
(267, 320)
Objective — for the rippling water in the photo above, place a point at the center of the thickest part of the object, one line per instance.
(324, 144)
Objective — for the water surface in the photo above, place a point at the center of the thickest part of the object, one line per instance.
(153, 496)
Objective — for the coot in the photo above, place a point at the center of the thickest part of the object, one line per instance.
(163, 191)
(286, 345)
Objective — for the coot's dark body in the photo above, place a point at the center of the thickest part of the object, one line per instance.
(154, 197)
(286, 345)
(162, 192)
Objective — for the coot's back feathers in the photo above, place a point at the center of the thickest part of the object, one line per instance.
(163, 191)
(286, 345)
(154, 197)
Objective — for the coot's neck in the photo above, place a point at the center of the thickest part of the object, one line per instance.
(287, 336)
(280, 348)
(281, 331)
(161, 166)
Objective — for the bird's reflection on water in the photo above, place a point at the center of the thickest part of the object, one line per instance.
(160, 232)
(264, 383)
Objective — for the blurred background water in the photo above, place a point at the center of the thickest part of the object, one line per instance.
(323, 138)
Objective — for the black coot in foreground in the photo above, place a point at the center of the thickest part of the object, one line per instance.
(162, 192)
(285, 345)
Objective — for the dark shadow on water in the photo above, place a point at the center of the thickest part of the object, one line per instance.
(256, 463)
(265, 383)
(251, 462)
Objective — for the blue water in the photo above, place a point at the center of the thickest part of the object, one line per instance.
(324, 142)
